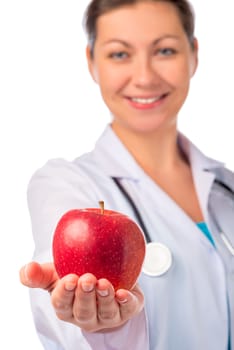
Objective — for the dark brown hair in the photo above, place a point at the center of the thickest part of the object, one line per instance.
(96, 8)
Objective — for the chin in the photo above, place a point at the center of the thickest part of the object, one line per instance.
(151, 126)
(144, 123)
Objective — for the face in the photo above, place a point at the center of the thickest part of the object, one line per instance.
(143, 63)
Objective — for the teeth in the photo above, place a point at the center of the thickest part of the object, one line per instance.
(145, 100)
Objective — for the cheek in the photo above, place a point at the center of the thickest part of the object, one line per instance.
(112, 80)
(177, 73)
(179, 77)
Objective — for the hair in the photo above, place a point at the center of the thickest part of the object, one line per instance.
(96, 8)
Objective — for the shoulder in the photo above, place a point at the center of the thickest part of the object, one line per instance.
(63, 180)
(60, 169)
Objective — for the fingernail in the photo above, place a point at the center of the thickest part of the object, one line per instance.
(87, 287)
(69, 286)
(103, 293)
(122, 301)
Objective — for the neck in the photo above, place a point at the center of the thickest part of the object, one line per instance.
(157, 153)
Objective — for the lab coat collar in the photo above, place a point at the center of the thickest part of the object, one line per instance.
(113, 157)
(196, 158)
(203, 170)
(116, 161)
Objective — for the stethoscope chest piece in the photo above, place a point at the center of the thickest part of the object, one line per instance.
(158, 259)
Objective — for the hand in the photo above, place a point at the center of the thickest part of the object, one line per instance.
(91, 304)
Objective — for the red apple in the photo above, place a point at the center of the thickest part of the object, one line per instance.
(105, 243)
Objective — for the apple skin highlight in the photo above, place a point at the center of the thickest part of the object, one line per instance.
(103, 242)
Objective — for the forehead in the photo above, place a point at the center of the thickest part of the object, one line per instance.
(146, 18)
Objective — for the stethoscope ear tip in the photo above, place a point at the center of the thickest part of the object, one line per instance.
(158, 259)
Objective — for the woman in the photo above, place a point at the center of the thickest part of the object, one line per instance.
(142, 54)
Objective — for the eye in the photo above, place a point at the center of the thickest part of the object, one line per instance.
(120, 55)
(166, 51)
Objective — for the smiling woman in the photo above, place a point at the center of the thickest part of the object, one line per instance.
(142, 55)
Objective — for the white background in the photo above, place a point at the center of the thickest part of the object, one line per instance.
(49, 107)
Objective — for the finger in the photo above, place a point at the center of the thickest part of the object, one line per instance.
(85, 304)
(107, 307)
(63, 295)
(34, 275)
(131, 302)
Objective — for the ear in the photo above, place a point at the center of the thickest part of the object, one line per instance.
(195, 57)
(90, 62)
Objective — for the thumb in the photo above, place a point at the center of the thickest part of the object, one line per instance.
(34, 275)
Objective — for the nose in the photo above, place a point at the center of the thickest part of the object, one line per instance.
(144, 73)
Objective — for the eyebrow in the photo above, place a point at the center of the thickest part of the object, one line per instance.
(154, 42)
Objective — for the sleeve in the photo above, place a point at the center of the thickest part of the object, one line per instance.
(54, 189)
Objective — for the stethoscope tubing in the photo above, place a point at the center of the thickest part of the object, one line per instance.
(224, 238)
(134, 207)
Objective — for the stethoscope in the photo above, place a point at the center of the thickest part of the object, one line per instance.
(223, 236)
(158, 258)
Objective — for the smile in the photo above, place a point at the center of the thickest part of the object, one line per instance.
(147, 103)
(146, 100)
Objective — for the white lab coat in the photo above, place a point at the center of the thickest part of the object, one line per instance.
(191, 306)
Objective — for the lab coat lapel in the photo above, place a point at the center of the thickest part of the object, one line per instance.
(225, 176)
(201, 166)
(203, 183)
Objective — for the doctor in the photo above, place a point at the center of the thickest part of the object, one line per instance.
(142, 54)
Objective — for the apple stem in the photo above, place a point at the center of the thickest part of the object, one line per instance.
(101, 203)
